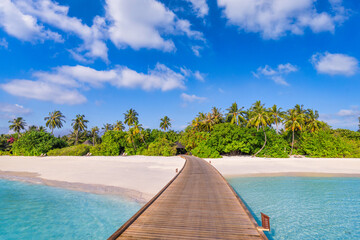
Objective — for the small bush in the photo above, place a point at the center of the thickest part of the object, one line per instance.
(161, 147)
(77, 150)
(4, 153)
(204, 151)
(113, 144)
(35, 143)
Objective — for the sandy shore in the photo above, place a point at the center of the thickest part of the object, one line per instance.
(135, 177)
(321, 167)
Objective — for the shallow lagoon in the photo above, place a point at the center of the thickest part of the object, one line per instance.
(29, 211)
(304, 207)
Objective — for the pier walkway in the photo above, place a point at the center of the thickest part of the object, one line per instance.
(197, 204)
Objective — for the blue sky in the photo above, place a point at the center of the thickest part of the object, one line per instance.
(177, 58)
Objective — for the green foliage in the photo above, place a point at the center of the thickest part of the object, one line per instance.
(204, 151)
(276, 147)
(325, 144)
(232, 139)
(113, 144)
(161, 147)
(4, 153)
(191, 139)
(35, 143)
(77, 150)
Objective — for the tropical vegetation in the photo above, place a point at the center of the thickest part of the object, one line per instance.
(259, 131)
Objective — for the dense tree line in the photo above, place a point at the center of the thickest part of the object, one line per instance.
(257, 131)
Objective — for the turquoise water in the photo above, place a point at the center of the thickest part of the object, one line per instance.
(39, 212)
(303, 207)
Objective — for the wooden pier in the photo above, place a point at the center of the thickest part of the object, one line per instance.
(197, 204)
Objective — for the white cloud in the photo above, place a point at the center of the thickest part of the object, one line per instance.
(136, 23)
(344, 118)
(144, 24)
(275, 18)
(335, 64)
(277, 75)
(192, 98)
(9, 110)
(44, 91)
(197, 75)
(3, 43)
(56, 15)
(23, 26)
(200, 7)
(196, 50)
(62, 84)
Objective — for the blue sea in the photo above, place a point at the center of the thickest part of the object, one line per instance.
(304, 207)
(38, 212)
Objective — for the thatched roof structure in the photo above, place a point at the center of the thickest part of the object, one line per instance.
(88, 142)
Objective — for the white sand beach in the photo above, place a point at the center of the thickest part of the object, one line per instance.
(137, 177)
(141, 177)
(253, 166)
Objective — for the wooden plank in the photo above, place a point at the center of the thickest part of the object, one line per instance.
(197, 203)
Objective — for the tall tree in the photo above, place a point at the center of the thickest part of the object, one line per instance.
(216, 115)
(94, 134)
(235, 114)
(79, 124)
(54, 120)
(107, 127)
(131, 116)
(17, 124)
(137, 130)
(119, 126)
(311, 120)
(276, 116)
(165, 123)
(259, 118)
(293, 122)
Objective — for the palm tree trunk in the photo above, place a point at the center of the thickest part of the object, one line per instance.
(94, 140)
(76, 137)
(52, 131)
(264, 143)
(292, 143)
(277, 128)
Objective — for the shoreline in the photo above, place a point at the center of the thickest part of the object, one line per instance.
(34, 178)
(137, 178)
(296, 174)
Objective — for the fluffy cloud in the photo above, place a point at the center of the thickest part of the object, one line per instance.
(344, 118)
(9, 111)
(135, 23)
(192, 98)
(62, 85)
(23, 26)
(275, 18)
(141, 24)
(277, 74)
(335, 64)
(200, 7)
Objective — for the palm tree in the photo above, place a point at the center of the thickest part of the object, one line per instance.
(17, 124)
(79, 124)
(293, 122)
(259, 118)
(41, 129)
(130, 137)
(276, 116)
(131, 116)
(235, 114)
(94, 134)
(217, 115)
(54, 120)
(165, 123)
(32, 128)
(119, 126)
(311, 120)
(107, 127)
(137, 129)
